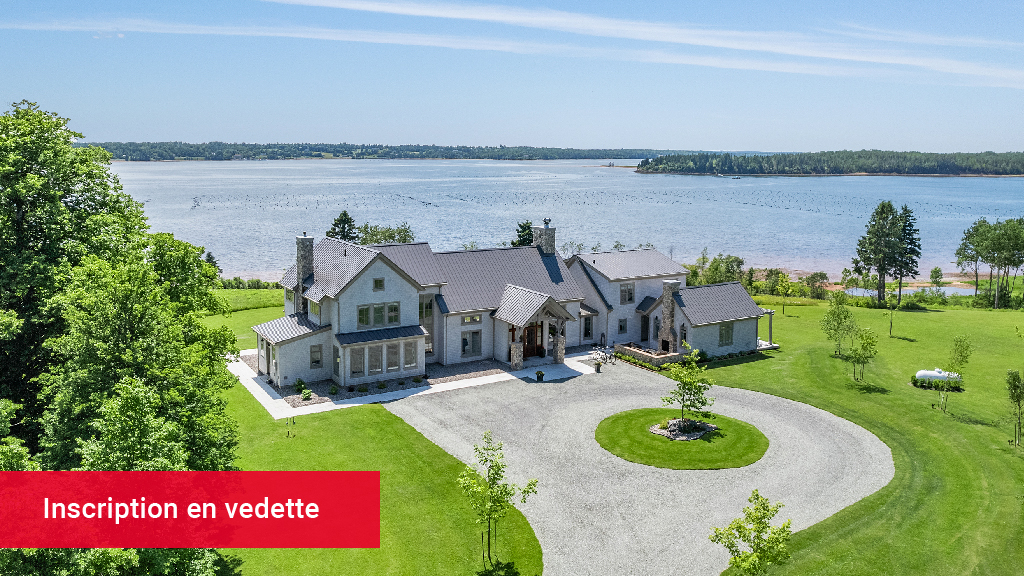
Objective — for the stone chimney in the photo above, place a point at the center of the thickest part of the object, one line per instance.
(303, 267)
(667, 335)
(544, 238)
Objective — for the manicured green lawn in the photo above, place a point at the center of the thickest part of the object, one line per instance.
(241, 322)
(249, 299)
(627, 435)
(427, 525)
(956, 503)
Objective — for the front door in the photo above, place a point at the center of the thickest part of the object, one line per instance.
(531, 341)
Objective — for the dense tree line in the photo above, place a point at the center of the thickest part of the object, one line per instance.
(838, 162)
(1000, 245)
(104, 362)
(146, 151)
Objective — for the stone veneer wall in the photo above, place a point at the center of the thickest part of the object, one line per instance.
(653, 360)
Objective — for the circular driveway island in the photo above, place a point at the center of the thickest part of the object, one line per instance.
(595, 513)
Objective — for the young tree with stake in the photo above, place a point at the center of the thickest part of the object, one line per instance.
(692, 385)
(490, 495)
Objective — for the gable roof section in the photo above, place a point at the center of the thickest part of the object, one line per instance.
(336, 263)
(626, 264)
(590, 279)
(288, 328)
(477, 278)
(713, 303)
(519, 304)
(645, 305)
(417, 259)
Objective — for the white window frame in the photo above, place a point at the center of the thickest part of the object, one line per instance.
(412, 357)
(316, 356)
(627, 293)
(726, 332)
(357, 359)
(467, 342)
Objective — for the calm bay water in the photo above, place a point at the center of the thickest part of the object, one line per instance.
(248, 213)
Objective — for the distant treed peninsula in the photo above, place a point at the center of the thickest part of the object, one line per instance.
(152, 151)
(840, 162)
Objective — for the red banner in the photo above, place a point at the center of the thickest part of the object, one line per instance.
(190, 509)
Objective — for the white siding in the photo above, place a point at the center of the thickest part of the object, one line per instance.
(453, 340)
(360, 292)
(744, 338)
(293, 359)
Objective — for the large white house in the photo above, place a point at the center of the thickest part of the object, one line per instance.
(357, 314)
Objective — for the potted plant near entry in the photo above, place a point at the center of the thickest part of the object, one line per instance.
(597, 366)
(540, 376)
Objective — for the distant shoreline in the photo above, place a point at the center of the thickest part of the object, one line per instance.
(733, 176)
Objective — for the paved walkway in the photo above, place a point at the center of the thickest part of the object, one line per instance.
(278, 408)
(598, 514)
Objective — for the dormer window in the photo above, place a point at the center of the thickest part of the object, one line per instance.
(378, 284)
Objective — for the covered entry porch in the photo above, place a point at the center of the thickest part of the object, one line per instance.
(532, 317)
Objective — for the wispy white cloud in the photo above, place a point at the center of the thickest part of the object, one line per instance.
(439, 41)
(782, 43)
(907, 37)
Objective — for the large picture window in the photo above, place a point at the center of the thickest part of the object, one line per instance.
(358, 361)
(411, 357)
(725, 334)
(626, 293)
(376, 363)
(393, 361)
(471, 344)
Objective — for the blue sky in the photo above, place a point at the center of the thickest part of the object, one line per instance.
(724, 75)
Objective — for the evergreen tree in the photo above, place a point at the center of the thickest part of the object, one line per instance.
(209, 259)
(909, 251)
(879, 249)
(524, 234)
(344, 228)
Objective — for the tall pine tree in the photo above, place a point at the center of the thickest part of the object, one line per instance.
(879, 248)
(909, 248)
(344, 228)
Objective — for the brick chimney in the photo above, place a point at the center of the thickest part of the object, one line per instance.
(303, 267)
(544, 238)
(667, 335)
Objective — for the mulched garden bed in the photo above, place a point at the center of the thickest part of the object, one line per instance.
(322, 391)
(693, 429)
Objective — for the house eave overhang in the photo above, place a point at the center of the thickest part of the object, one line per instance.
(724, 321)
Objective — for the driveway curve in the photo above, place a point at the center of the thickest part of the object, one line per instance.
(598, 514)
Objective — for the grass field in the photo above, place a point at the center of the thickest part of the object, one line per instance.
(956, 503)
(427, 525)
(241, 322)
(250, 299)
(734, 444)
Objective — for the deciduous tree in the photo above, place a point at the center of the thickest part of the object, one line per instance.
(692, 385)
(1015, 390)
(489, 494)
(378, 234)
(959, 353)
(838, 322)
(753, 543)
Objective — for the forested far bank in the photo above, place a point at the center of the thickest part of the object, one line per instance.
(153, 151)
(839, 162)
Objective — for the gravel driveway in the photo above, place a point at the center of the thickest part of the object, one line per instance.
(598, 514)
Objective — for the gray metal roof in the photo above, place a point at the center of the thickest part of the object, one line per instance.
(625, 264)
(712, 303)
(587, 310)
(645, 305)
(417, 259)
(477, 278)
(519, 305)
(377, 335)
(335, 264)
(287, 328)
(590, 279)
(442, 306)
